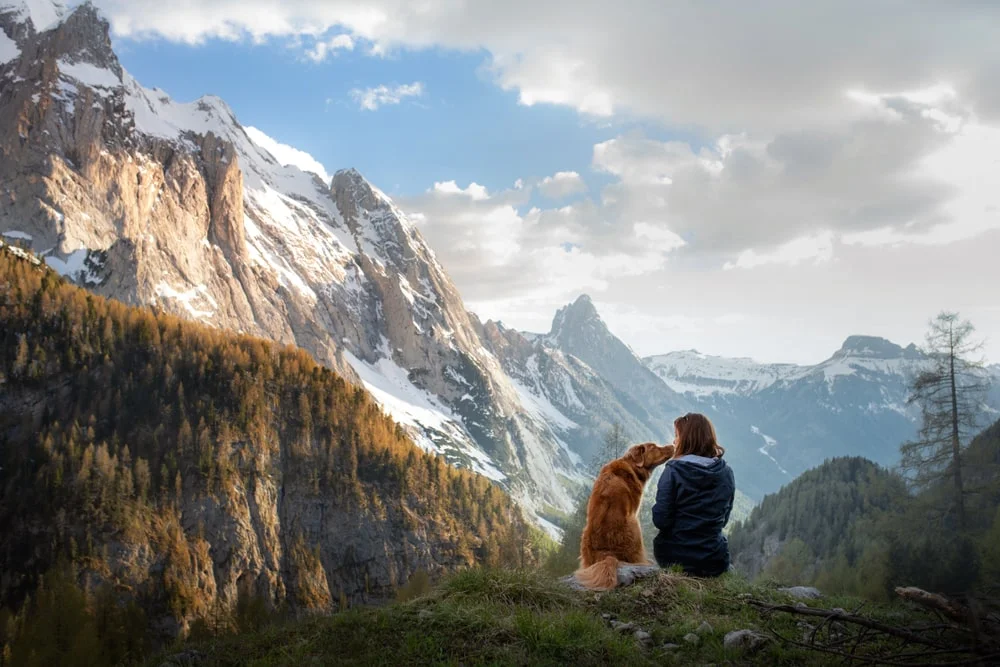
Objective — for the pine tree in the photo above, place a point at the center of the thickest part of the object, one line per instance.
(950, 394)
(614, 444)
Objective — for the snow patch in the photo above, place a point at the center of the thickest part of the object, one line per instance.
(411, 406)
(89, 74)
(769, 442)
(44, 14)
(17, 234)
(187, 298)
(8, 48)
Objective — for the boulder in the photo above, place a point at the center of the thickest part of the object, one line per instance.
(802, 592)
(628, 574)
(744, 640)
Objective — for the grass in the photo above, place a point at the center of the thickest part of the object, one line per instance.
(504, 617)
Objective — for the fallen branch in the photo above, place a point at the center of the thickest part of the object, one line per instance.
(874, 660)
(831, 614)
(950, 608)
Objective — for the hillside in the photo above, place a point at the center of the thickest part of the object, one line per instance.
(815, 514)
(484, 617)
(185, 468)
(850, 525)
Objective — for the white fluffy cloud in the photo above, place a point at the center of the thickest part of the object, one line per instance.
(562, 184)
(288, 155)
(323, 48)
(370, 99)
(728, 65)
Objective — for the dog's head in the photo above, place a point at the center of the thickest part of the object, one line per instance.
(648, 455)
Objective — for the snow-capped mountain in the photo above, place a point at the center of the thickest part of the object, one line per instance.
(578, 332)
(583, 379)
(152, 201)
(794, 417)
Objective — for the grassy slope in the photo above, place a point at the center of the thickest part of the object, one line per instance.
(508, 617)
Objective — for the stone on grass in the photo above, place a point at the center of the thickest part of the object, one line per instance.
(642, 637)
(802, 592)
(745, 640)
(704, 629)
(628, 574)
(692, 638)
(671, 647)
(622, 627)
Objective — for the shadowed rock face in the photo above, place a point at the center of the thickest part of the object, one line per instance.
(150, 201)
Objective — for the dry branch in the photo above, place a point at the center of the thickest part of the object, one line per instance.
(949, 608)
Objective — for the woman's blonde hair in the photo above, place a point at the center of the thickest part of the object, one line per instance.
(696, 435)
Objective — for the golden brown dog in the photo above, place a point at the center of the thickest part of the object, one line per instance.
(612, 533)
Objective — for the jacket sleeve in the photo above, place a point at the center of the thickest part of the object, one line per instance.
(663, 508)
(732, 497)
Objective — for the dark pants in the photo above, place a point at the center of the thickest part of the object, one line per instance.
(695, 565)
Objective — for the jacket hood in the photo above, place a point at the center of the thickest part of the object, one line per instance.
(699, 471)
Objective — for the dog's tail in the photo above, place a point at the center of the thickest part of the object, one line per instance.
(601, 576)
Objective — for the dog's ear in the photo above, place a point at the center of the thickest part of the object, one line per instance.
(636, 455)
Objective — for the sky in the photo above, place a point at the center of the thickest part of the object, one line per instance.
(745, 179)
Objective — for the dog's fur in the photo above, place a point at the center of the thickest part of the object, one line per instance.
(612, 533)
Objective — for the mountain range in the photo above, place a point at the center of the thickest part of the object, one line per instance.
(174, 205)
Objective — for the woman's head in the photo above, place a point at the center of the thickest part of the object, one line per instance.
(696, 435)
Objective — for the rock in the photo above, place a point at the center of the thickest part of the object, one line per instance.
(802, 592)
(622, 627)
(800, 605)
(692, 638)
(671, 647)
(628, 574)
(704, 629)
(606, 616)
(642, 637)
(744, 640)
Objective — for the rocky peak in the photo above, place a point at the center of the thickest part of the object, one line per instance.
(575, 321)
(350, 187)
(874, 347)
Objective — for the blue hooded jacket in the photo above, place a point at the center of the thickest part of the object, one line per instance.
(693, 500)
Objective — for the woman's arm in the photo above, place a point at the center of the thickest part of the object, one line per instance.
(732, 497)
(663, 508)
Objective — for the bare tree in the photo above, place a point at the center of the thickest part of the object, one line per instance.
(612, 447)
(951, 396)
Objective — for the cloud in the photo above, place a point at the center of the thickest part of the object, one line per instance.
(727, 66)
(561, 185)
(288, 155)
(474, 191)
(898, 163)
(370, 99)
(818, 248)
(495, 249)
(326, 47)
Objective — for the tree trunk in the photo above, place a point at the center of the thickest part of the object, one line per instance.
(956, 451)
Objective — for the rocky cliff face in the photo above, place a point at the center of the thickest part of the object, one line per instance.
(151, 201)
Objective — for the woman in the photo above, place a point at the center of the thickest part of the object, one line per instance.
(693, 500)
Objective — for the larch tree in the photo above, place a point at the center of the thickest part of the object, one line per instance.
(613, 445)
(950, 393)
